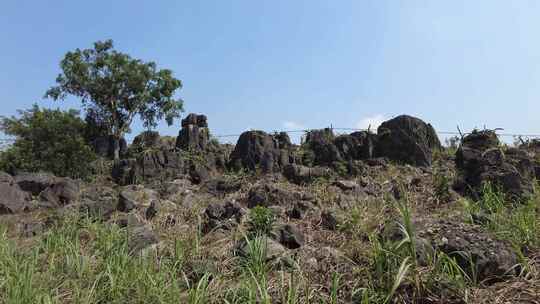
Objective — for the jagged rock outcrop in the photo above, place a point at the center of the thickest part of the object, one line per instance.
(104, 146)
(136, 197)
(407, 139)
(259, 150)
(12, 198)
(151, 140)
(156, 158)
(356, 146)
(323, 149)
(326, 148)
(97, 201)
(533, 148)
(63, 191)
(34, 183)
(480, 159)
(194, 134)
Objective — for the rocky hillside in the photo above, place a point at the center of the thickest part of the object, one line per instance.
(386, 217)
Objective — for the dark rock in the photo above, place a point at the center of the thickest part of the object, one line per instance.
(269, 195)
(274, 250)
(329, 220)
(289, 236)
(140, 238)
(177, 189)
(301, 174)
(195, 120)
(397, 191)
(12, 198)
(356, 146)
(346, 185)
(150, 140)
(156, 165)
(199, 173)
(99, 202)
(492, 258)
(481, 140)
(377, 162)
(259, 150)
(63, 191)
(225, 215)
(104, 146)
(136, 197)
(321, 143)
(151, 211)
(6, 178)
(299, 210)
(31, 229)
(194, 134)
(192, 154)
(222, 185)
(34, 183)
(479, 160)
(124, 172)
(127, 220)
(408, 140)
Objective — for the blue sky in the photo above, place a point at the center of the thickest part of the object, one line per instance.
(286, 64)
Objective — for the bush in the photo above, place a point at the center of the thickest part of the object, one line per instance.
(47, 140)
(261, 221)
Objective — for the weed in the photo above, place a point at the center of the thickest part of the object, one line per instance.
(261, 221)
(441, 186)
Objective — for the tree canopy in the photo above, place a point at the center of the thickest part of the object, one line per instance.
(47, 140)
(116, 88)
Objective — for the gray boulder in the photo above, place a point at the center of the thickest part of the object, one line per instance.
(469, 244)
(194, 134)
(104, 146)
(140, 238)
(63, 191)
(136, 197)
(223, 215)
(289, 236)
(321, 143)
(479, 160)
(268, 195)
(301, 174)
(34, 183)
(408, 140)
(259, 150)
(12, 198)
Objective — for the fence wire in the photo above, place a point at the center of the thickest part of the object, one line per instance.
(454, 133)
(6, 142)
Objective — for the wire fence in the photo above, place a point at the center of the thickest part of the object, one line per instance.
(6, 142)
(346, 130)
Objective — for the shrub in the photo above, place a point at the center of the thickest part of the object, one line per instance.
(441, 186)
(261, 221)
(47, 140)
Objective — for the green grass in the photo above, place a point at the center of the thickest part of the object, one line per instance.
(516, 222)
(396, 274)
(61, 269)
(79, 260)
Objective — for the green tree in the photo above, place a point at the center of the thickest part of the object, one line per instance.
(47, 140)
(117, 88)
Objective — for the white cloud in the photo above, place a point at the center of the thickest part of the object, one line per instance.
(374, 121)
(292, 125)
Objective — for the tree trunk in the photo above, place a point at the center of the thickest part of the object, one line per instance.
(116, 148)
